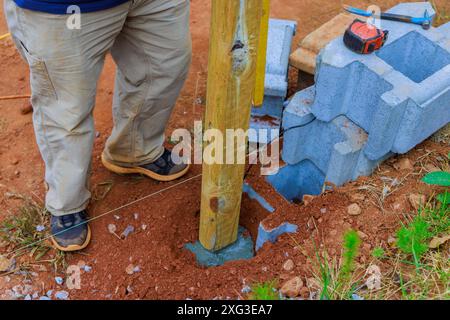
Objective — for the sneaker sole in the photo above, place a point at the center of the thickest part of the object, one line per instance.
(73, 248)
(136, 170)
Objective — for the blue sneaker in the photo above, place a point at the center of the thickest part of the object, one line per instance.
(70, 232)
(163, 169)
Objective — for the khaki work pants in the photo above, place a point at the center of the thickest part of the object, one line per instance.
(151, 45)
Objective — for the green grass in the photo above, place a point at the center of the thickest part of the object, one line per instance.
(264, 291)
(422, 273)
(412, 238)
(338, 280)
(21, 231)
(378, 253)
(417, 272)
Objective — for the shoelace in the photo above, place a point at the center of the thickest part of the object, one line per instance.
(165, 161)
(68, 220)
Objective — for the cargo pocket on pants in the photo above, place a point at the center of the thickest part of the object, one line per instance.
(41, 84)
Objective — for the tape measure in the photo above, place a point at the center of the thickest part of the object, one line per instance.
(363, 38)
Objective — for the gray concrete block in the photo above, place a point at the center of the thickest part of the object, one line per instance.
(400, 95)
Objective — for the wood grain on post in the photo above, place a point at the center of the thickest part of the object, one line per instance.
(234, 38)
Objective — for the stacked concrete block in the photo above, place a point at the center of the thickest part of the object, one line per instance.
(268, 116)
(281, 34)
(316, 151)
(296, 180)
(400, 95)
(364, 108)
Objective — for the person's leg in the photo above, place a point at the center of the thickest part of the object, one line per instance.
(153, 54)
(65, 65)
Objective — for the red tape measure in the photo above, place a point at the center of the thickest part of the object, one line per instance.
(363, 38)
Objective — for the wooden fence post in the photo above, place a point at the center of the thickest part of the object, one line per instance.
(234, 39)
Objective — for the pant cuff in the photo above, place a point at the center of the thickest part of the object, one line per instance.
(133, 164)
(59, 213)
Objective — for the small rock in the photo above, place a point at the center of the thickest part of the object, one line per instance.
(6, 264)
(400, 205)
(59, 280)
(62, 295)
(357, 297)
(292, 287)
(45, 298)
(15, 162)
(246, 289)
(373, 282)
(27, 297)
(40, 228)
(417, 200)
(391, 240)
(404, 164)
(18, 291)
(289, 265)
(136, 216)
(354, 209)
(436, 242)
(144, 227)
(323, 210)
(112, 228)
(362, 235)
(87, 269)
(136, 269)
(128, 230)
(130, 269)
(307, 198)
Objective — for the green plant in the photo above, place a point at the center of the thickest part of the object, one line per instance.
(412, 239)
(378, 253)
(26, 230)
(437, 215)
(351, 248)
(444, 198)
(264, 291)
(438, 178)
(338, 281)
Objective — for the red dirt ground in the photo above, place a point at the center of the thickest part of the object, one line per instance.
(172, 217)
